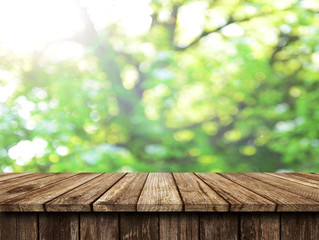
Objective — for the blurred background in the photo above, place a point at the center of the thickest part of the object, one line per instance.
(122, 85)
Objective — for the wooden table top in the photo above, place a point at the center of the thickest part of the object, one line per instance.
(159, 192)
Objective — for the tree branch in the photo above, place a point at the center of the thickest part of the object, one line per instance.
(173, 21)
(284, 40)
(207, 32)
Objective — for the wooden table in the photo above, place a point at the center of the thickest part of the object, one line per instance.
(159, 206)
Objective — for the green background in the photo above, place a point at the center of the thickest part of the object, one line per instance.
(240, 93)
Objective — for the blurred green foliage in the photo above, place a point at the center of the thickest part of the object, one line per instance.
(239, 92)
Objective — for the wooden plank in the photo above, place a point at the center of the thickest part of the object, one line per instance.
(7, 176)
(80, 198)
(34, 201)
(197, 196)
(240, 198)
(297, 188)
(123, 196)
(99, 226)
(179, 226)
(260, 226)
(18, 226)
(286, 201)
(8, 226)
(160, 194)
(299, 226)
(296, 178)
(218, 226)
(139, 226)
(23, 179)
(27, 187)
(313, 176)
(58, 226)
(27, 225)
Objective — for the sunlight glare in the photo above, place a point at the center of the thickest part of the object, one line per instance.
(30, 25)
(191, 21)
(134, 17)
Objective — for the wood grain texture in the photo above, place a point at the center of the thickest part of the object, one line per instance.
(160, 194)
(210, 225)
(299, 226)
(139, 226)
(179, 226)
(34, 201)
(18, 226)
(23, 179)
(240, 198)
(99, 226)
(14, 190)
(123, 196)
(297, 188)
(197, 196)
(54, 226)
(260, 226)
(7, 225)
(80, 198)
(285, 200)
(314, 176)
(218, 226)
(235, 192)
(6, 176)
(304, 180)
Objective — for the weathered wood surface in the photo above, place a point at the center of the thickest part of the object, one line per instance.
(124, 194)
(294, 187)
(301, 178)
(6, 176)
(75, 200)
(18, 226)
(197, 196)
(151, 225)
(159, 192)
(13, 190)
(139, 226)
(240, 198)
(219, 226)
(99, 226)
(260, 226)
(35, 200)
(284, 199)
(58, 226)
(179, 226)
(299, 226)
(23, 179)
